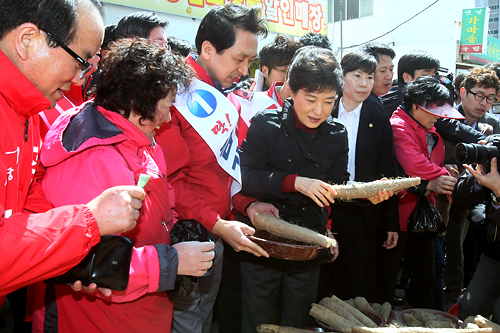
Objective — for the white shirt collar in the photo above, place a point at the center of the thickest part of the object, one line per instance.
(356, 111)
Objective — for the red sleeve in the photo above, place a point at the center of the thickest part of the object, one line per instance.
(40, 246)
(288, 184)
(241, 202)
(36, 201)
(408, 154)
(189, 204)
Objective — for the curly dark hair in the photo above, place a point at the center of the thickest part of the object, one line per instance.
(482, 77)
(423, 91)
(315, 39)
(136, 74)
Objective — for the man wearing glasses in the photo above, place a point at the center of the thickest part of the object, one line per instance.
(478, 94)
(44, 47)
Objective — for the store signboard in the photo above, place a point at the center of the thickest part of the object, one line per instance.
(474, 31)
(291, 17)
(493, 50)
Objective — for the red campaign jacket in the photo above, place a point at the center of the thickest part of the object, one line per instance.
(38, 246)
(202, 187)
(412, 154)
(114, 152)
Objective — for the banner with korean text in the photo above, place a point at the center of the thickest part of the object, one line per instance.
(473, 37)
(291, 17)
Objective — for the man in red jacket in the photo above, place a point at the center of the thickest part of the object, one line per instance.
(39, 44)
(226, 42)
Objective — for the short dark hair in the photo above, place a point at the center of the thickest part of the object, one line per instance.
(425, 90)
(481, 76)
(58, 17)
(109, 36)
(358, 60)
(314, 69)
(139, 24)
(218, 25)
(179, 45)
(315, 39)
(413, 61)
(136, 74)
(278, 53)
(459, 79)
(377, 49)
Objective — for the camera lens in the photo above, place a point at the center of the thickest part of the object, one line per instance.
(474, 153)
(465, 153)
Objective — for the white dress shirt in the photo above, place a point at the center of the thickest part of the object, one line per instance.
(350, 119)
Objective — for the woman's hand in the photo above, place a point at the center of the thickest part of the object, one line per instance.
(381, 196)
(319, 191)
(442, 184)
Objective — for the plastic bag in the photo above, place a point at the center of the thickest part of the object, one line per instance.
(189, 231)
(425, 221)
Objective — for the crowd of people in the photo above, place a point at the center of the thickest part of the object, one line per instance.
(88, 110)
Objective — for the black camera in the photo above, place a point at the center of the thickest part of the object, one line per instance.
(478, 154)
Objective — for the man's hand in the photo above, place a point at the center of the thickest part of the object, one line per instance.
(490, 180)
(442, 184)
(234, 233)
(117, 208)
(452, 169)
(319, 191)
(262, 208)
(77, 286)
(392, 240)
(195, 258)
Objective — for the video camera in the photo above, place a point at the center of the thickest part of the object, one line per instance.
(472, 153)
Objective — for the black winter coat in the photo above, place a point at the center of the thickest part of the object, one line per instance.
(274, 148)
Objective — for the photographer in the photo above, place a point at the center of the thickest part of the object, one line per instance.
(483, 293)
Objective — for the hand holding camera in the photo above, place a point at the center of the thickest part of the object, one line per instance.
(491, 179)
(485, 155)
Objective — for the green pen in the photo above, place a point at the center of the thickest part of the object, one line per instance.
(143, 180)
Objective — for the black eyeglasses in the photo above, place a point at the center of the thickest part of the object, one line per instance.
(86, 66)
(479, 96)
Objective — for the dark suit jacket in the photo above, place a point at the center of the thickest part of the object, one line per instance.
(374, 159)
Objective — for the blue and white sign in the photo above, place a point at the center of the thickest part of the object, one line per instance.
(215, 119)
(202, 103)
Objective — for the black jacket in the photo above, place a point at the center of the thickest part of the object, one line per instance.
(375, 159)
(466, 195)
(274, 148)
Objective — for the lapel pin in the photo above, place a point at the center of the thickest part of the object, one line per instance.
(370, 125)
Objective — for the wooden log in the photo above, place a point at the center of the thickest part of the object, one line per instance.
(362, 304)
(421, 330)
(385, 310)
(483, 322)
(355, 312)
(339, 309)
(268, 328)
(284, 229)
(371, 189)
(328, 317)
